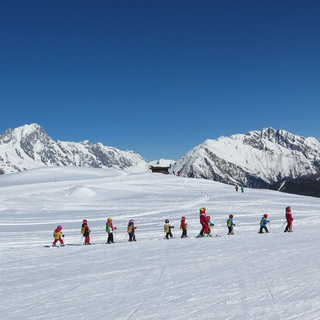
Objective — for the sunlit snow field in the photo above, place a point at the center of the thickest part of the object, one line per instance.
(246, 276)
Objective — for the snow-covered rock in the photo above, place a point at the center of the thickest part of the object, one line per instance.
(255, 159)
(30, 147)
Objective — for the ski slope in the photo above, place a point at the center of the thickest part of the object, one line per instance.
(246, 276)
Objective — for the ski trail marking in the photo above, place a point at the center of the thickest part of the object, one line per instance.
(147, 298)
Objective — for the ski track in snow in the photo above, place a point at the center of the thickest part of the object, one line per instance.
(247, 276)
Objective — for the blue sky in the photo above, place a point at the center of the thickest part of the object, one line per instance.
(159, 77)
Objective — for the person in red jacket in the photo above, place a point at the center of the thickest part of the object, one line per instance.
(204, 222)
(183, 227)
(289, 220)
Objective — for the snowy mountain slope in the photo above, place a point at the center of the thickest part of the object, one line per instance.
(246, 276)
(29, 147)
(255, 159)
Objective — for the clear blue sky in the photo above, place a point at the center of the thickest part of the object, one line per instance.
(159, 77)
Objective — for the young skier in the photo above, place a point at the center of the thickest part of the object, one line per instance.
(237, 188)
(230, 224)
(57, 234)
(110, 228)
(263, 223)
(210, 224)
(85, 230)
(131, 228)
(183, 227)
(289, 220)
(167, 229)
(203, 222)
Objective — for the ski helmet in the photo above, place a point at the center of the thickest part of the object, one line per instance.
(59, 227)
(109, 219)
(288, 209)
(166, 221)
(202, 210)
(85, 221)
(231, 216)
(183, 218)
(131, 220)
(265, 215)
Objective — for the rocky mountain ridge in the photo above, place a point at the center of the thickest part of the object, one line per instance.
(29, 147)
(256, 159)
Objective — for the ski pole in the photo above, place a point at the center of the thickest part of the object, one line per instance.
(223, 231)
(282, 225)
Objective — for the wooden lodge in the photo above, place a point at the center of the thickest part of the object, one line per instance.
(157, 169)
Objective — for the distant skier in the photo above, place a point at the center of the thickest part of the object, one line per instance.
(203, 221)
(183, 227)
(110, 228)
(57, 234)
(289, 220)
(85, 230)
(263, 223)
(131, 231)
(167, 229)
(242, 189)
(237, 188)
(230, 225)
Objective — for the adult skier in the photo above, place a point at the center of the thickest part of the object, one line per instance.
(289, 220)
(204, 223)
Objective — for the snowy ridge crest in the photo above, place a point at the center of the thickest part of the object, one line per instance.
(30, 147)
(256, 159)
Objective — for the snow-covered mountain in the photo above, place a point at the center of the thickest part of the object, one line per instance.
(255, 159)
(30, 147)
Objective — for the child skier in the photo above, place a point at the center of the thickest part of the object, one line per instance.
(210, 224)
(230, 224)
(289, 219)
(167, 229)
(263, 223)
(131, 228)
(85, 230)
(110, 228)
(57, 234)
(183, 227)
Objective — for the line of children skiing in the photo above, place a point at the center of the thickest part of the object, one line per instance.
(205, 231)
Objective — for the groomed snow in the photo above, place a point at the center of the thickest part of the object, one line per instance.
(246, 276)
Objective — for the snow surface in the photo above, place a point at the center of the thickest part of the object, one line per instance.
(246, 276)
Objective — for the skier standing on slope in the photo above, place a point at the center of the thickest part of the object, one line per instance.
(85, 230)
(289, 220)
(210, 224)
(57, 234)
(131, 231)
(203, 222)
(230, 225)
(183, 227)
(167, 229)
(263, 223)
(110, 228)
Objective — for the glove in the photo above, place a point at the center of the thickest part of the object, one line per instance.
(115, 228)
(135, 228)
(234, 225)
(63, 236)
(172, 227)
